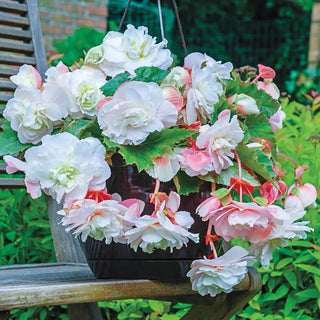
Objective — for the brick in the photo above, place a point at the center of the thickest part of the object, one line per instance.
(85, 23)
(74, 8)
(48, 4)
(61, 18)
(68, 31)
(98, 11)
(44, 15)
(101, 25)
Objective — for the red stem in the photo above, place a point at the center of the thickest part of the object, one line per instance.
(288, 158)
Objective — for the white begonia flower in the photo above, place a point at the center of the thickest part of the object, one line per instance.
(200, 60)
(213, 276)
(33, 113)
(245, 104)
(202, 96)
(83, 86)
(103, 220)
(95, 55)
(53, 73)
(66, 167)
(133, 49)
(27, 76)
(220, 139)
(165, 167)
(286, 228)
(136, 110)
(178, 77)
(160, 231)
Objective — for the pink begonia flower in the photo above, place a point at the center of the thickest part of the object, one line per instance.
(165, 167)
(244, 104)
(266, 72)
(298, 172)
(213, 276)
(173, 95)
(306, 193)
(220, 139)
(103, 220)
(136, 110)
(239, 219)
(207, 206)
(284, 230)
(276, 119)
(195, 161)
(27, 76)
(270, 192)
(64, 167)
(167, 228)
(270, 88)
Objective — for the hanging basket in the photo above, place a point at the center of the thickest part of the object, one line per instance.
(119, 261)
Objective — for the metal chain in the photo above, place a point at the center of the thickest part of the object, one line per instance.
(160, 19)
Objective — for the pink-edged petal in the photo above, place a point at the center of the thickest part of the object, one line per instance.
(173, 95)
(173, 201)
(33, 188)
(14, 164)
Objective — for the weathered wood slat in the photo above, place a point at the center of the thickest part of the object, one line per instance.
(3, 167)
(12, 59)
(24, 286)
(13, 7)
(7, 72)
(13, 46)
(11, 33)
(12, 183)
(4, 97)
(7, 85)
(14, 20)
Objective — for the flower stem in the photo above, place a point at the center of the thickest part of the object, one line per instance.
(239, 172)
(214, 251)
(288, 158)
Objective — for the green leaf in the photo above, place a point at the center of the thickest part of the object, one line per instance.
(221, 193)
(145, 153)
(259, 126)
(317, 282)
(311, 293)
(79, 126)
(290, 304)
(283, 262)
(261, 201)
(156, 305)
(281, 291)
(291, 278)
(221, 105)
(10, 143)
(232, 172)
(256, 161)
(313, 269)
(264, 101)
(255, 305)
(186, 184)
(150, 74)
(112, 85)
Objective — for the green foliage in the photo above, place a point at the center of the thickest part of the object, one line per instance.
(186, 184)
(154, 146)
(292, 283)
(10, 143)
(150, 74)
(113, 84)
(74, 47)
(144, 309)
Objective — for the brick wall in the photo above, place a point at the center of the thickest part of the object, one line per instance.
(59, 18)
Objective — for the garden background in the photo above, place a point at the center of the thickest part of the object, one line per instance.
(245, 32)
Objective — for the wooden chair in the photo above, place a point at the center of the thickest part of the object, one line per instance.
(70, 281)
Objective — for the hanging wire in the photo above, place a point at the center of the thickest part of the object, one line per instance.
(175, 8)
(124, 15)
(160, 19)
